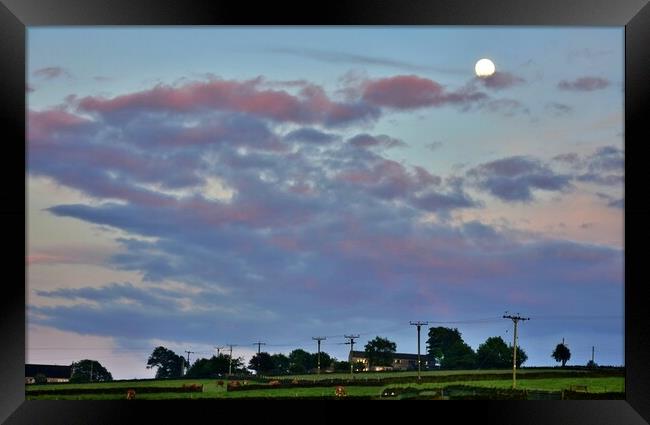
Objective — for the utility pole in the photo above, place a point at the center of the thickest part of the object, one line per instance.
(188, 358)
(319, 339)
(419, 324)
(259, 345)
(230, 359)
(515, 320)
(219, 350)
(592, 354)
(91, 371)
(351, 342)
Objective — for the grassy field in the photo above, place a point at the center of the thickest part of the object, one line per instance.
(594, 385)
(380, 375)
(214, 391)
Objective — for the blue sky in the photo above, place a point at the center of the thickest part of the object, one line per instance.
(201, 186)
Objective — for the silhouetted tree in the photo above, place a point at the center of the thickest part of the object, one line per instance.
(214, 366)
(561, 353)
(169, 364)
(446, 347)
(262, 363)
(300, 361)
(380, 352)
(89, 371)
(521, 356)
(325, 360)
(494, 353)
(280, 364)
(341, 366)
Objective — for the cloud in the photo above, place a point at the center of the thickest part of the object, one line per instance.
(588, 53)
(500, 80)
(52, 72)
(584, 84)
(352, 58)
(67, 254)
(617, 203)
(368, 141)
(316, 224)
(605, 166)
(558, 109)
(570, 158)
(310, 135)
(612, 201)
(412, 92)
(309, 106)
(505, 107)
(434, 145)
(513, 179)
(607, 158)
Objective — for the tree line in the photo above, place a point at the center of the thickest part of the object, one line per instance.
(445, 349)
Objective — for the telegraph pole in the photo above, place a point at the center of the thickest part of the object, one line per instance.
(188, 358)
(219, 350)
(230, 359)
(592, 354)
(319, 339)
(419, 324)
(259, 345)
(351, 342)
(515, 320)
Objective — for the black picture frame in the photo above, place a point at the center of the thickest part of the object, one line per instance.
(634, 15)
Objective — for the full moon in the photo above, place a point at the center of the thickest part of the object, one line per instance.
(484, 68)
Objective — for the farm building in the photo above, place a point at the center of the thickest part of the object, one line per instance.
(53, 373)
(401, 361)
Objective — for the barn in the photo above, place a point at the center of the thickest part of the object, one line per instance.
(53, 373)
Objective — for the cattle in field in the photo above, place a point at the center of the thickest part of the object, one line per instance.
(295, 381)
(341, 391)
(193, 387)
(130, 395)
(220, 383)
(274, 383)
(233, 384)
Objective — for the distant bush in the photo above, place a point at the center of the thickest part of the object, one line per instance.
(40, 379)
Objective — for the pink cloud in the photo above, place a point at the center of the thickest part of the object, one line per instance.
(310, 105)
(42, 124)
(584, 84)
(403, 92)
(501, 80)
(51, 72)
(410, 92)
(44, 259)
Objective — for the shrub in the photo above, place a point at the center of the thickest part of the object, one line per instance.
(40, 379)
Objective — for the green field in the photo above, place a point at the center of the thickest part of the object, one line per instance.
(212, 390)
(433, 373)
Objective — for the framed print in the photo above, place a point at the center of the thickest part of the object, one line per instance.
(372, 202)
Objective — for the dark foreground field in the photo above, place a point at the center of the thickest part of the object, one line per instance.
(531, 384)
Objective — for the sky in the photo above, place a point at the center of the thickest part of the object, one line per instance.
(197, 187)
